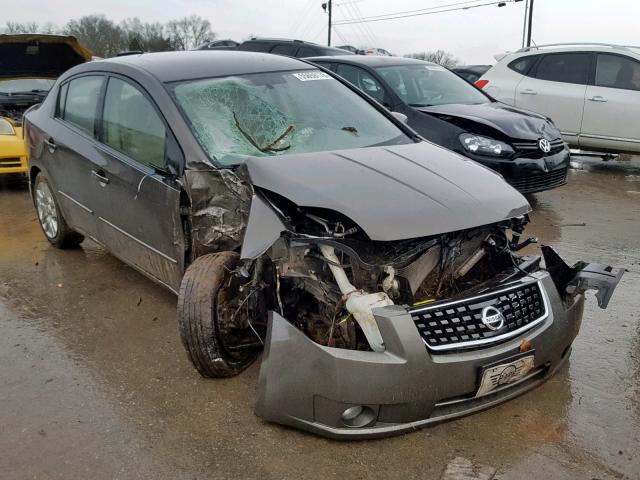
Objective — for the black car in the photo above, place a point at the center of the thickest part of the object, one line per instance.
(525, 147)
(471, 73)
(290, 48)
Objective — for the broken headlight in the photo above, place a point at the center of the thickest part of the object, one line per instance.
(6, 128)
(479, 145)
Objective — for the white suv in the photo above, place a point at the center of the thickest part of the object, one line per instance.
(590, 91)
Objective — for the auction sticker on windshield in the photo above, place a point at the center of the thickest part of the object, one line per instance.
(504, 373)
(307, 76)
(435, 68)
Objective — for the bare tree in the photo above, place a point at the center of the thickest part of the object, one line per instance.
(446, 59)
(103, 37)
(148, 37)
(16, 27)
(189, 32)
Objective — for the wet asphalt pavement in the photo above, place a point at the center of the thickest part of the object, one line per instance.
(94, 382)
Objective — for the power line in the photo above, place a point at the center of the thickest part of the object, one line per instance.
(367, 27)
(425, 9)
(303, 17)
(362, 32)
(396, 16)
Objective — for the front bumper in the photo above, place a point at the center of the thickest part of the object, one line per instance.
(13, 156)
(306, 385)
(531, 175)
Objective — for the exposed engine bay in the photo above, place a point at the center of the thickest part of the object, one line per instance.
(329, 275)
(14, 110)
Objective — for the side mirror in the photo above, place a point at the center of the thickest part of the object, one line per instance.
(401, 117)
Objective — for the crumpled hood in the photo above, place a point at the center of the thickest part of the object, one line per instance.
(513, 122)
(395, 192)
(42, 56)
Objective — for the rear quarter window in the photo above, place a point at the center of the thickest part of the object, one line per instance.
(523, 65)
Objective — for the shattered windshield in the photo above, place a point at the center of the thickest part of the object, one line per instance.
(280, 113)
(425, 85)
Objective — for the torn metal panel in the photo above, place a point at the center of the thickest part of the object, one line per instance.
(582, 277)
(219, 209)
(263, 229)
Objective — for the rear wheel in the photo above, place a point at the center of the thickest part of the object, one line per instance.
(215, 311)
(52, 222)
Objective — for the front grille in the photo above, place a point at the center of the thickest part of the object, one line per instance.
(537, 182)
(458, 324)
(9, 162)
(528, 147)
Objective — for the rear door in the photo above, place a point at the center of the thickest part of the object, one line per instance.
(557, 89)
(70, 152)
(612, 107)
(139, 220)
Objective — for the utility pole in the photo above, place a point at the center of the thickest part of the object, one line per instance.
(327, 8)
(530, 26)
(329, 27)
(524, 23)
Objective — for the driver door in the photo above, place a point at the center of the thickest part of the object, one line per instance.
(140, 218)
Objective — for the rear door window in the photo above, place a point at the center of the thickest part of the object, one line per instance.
(131, 124)
(81, 102)
(284, 49)
(616, 71)
(564, 67)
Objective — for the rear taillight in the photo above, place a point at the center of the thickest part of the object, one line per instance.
(481, 83)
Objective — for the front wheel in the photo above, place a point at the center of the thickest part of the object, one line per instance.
(52, 222)
(216, 309)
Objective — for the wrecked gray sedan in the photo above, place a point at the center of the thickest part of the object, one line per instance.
(377, 273)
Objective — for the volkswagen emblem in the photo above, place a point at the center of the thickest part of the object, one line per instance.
(492, 318)
(544, 145)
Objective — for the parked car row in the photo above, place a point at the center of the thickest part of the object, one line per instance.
(293, 214)
(297, 210)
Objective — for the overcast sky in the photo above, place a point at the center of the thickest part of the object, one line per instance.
(473, 36)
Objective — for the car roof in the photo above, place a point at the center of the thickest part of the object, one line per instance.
(189, 65)
(279, 40)
(600, 48)
(371, 60)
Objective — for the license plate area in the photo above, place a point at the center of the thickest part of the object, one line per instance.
(504, 372)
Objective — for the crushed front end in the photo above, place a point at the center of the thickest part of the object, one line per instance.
(372, 338)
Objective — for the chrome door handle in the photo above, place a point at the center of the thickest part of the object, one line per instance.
(528, 91)
(598, 98)
(51, 144)
(100, 176)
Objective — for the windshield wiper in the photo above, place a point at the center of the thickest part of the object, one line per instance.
(421, 105)
(272, 146)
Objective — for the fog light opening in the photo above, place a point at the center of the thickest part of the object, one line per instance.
(358, 416)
